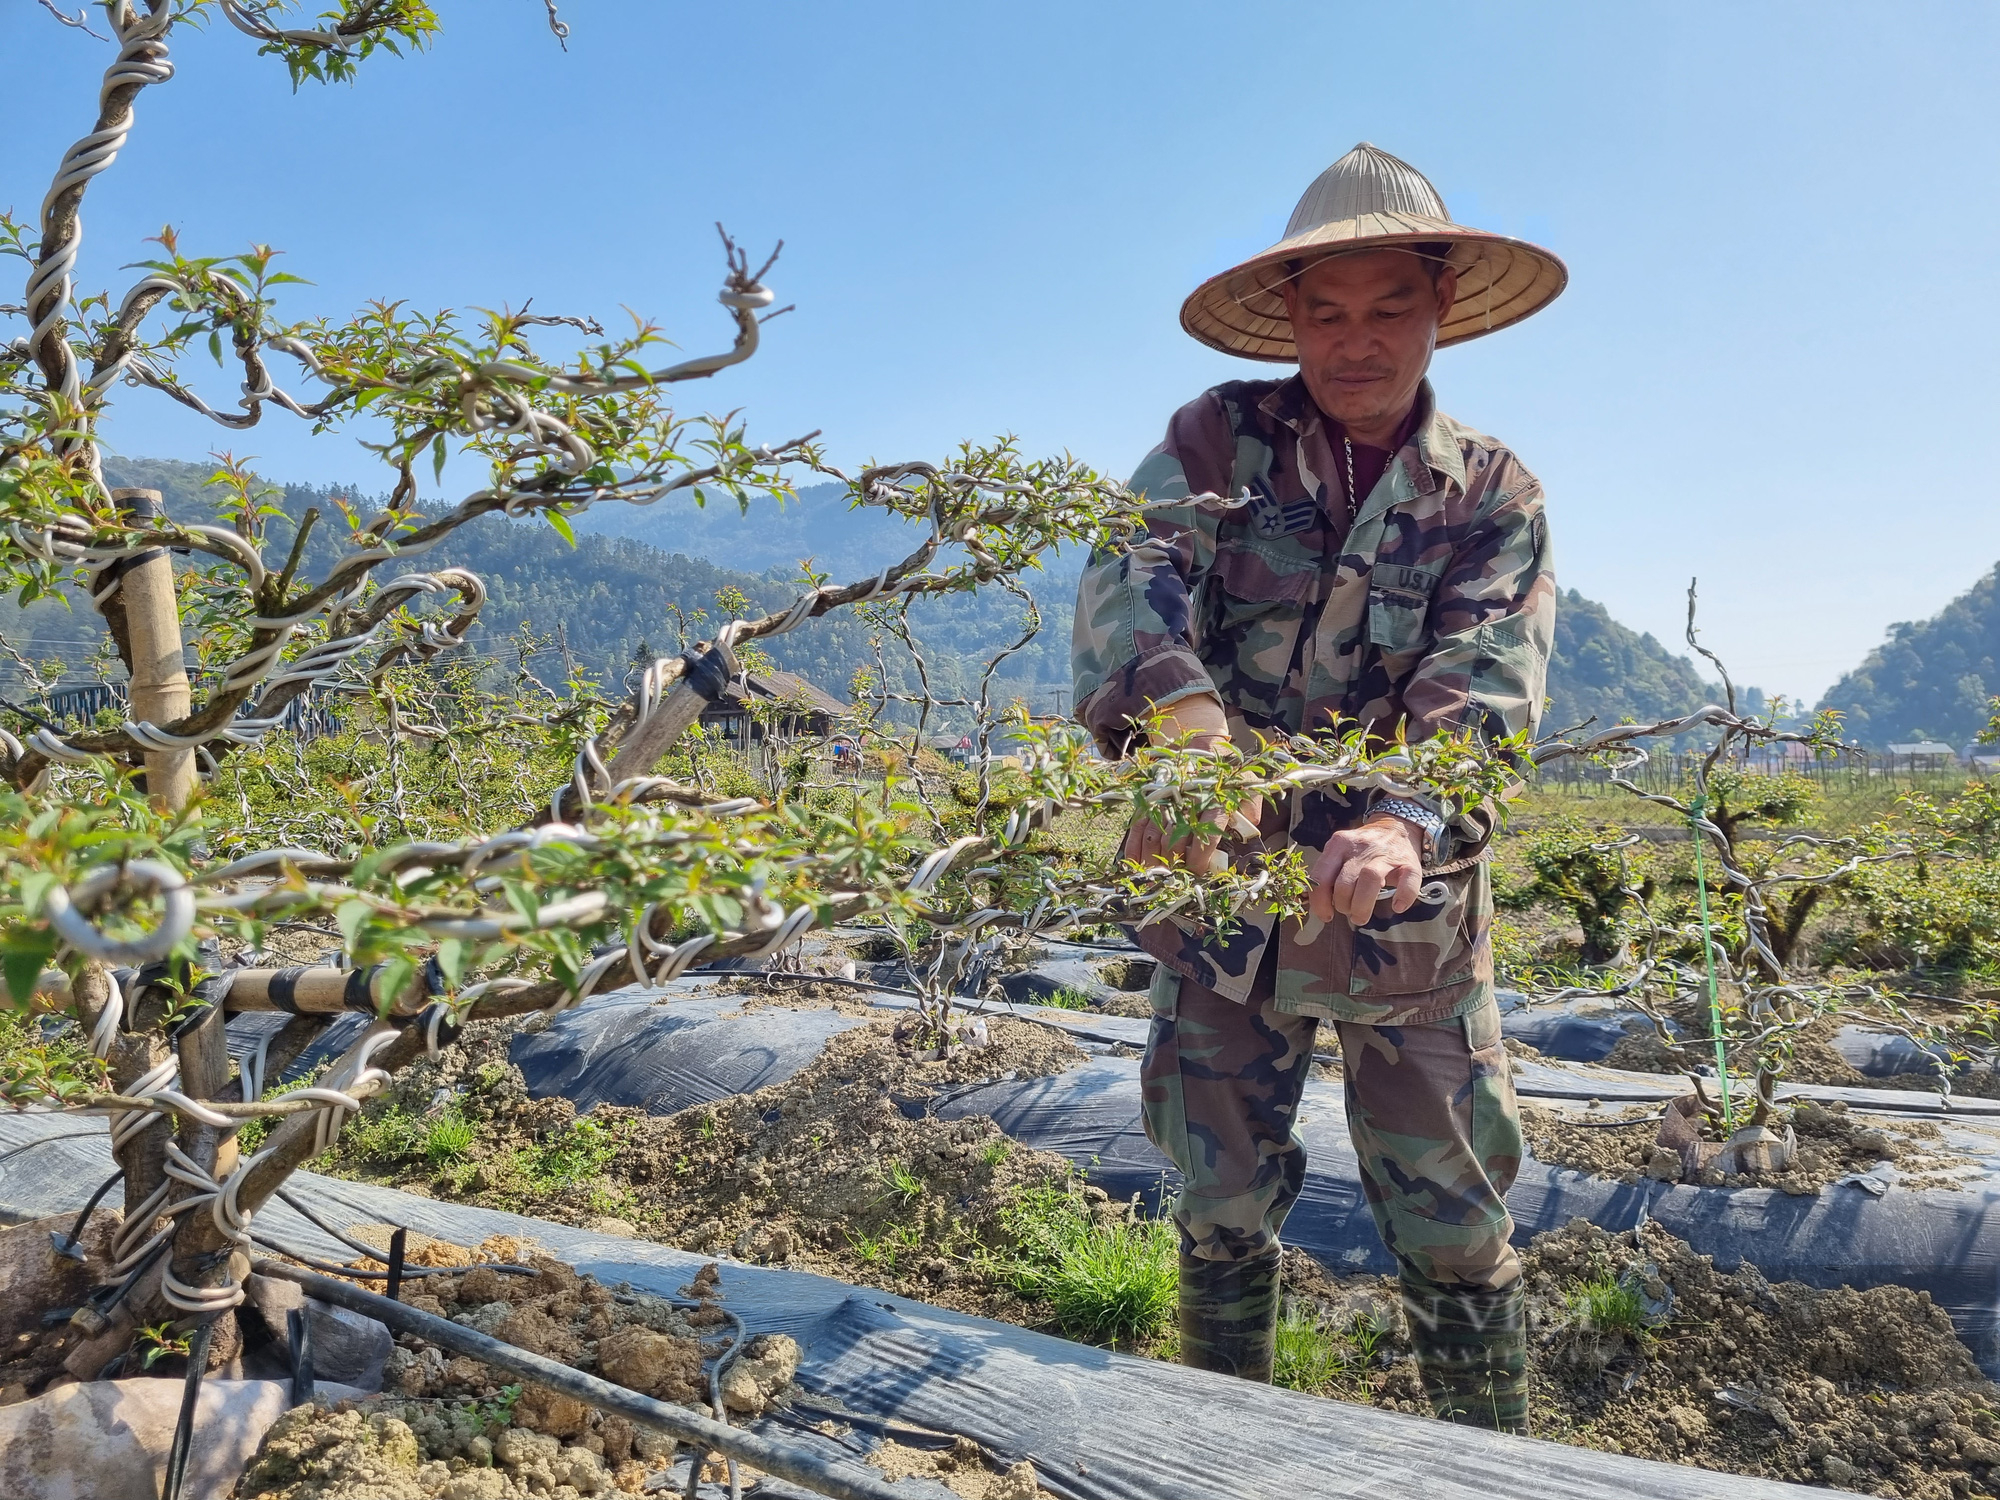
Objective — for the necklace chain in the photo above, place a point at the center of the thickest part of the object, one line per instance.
(1353, 500)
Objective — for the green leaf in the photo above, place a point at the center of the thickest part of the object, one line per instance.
(437, 458)
(560, 523)
(34, 886)
(349, 916)
(215, 345)
(391, 979)
(22, 969)
(451, 960)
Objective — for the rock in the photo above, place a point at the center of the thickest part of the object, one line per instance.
(518, 1448)
(272, 1299)
(582, 1470)
(766, 1367)
(533, 1329)
(34, 1279)
(1838, 1470)
(651, 1363)
(617, 1434)
(108, 1439)
(652, 1446)
(477, 1484)
(311, 1451)
(1018, 1483)
(486, 1317)
(624, 1229)
(551, 1412)
(484, 1284)
(537, 1460)
(1690, 1423)
(1664, 1165)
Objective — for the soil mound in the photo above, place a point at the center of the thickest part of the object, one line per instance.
(1814, 1059)
(1833, 1144)
(839, 1169)
(1640, 1346)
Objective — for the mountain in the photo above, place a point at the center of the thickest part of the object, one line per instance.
(1605, 671)
(615, 592)
(1931, 679)
(615, 596)
(848, 542)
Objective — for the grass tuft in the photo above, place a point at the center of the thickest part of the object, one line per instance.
(579, 1151)
(1069, 998)
(1311, 1355)
(903, 1184)
(449, 1139)
(1107, 1283)
(1610, 1305)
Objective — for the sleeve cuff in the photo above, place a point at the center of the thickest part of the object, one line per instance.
(1147, 683)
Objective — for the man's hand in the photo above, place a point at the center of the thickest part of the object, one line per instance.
(1358, 863)
(1147, 843)
(1201, 722)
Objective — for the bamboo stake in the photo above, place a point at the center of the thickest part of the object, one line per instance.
(160, 692)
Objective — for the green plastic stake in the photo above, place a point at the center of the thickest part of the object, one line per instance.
(1695, 813)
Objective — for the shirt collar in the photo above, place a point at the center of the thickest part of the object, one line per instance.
(1292, 405)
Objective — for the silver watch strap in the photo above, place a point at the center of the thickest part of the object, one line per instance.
(1414, 813)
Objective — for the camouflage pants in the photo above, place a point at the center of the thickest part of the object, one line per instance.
(1430, 1109)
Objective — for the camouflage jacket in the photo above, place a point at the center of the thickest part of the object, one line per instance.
(1435, 609)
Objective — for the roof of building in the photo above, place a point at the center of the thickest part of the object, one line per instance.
(1923, 747)
(783, 687)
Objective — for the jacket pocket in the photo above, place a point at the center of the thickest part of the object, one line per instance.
(1426, 947)
(1248, 582)
(1399, 605)
(1255, 607)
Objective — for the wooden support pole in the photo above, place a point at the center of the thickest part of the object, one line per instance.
(314, 992)
(160, 692)
(700, 684)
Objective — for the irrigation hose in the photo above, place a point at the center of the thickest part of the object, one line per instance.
(799, 1465)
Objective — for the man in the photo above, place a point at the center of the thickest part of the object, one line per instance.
(1343, 553)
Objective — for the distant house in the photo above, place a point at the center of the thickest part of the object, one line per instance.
(809, 709)
(1923, 755)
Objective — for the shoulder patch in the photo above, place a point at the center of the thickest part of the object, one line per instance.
(1271, 518)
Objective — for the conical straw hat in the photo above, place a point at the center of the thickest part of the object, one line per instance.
(1370, 200)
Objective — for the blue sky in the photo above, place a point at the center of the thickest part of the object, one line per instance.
(1774, 366)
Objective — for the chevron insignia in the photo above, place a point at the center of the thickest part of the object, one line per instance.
(1271, 517)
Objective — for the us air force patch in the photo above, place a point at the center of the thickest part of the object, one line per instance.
(1270, 518)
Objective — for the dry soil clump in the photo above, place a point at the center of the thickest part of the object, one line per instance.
(447, 1427)
(1641, 1346)
(961, 1468)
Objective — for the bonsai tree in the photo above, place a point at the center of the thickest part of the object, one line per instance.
(1733, 952)
(123, 882)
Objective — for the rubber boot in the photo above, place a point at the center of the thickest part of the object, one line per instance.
(1229, 1315)
(1472, 1352)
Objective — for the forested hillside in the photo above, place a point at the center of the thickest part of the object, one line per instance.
(1931, 679)
(1605, 671)
(614, 595)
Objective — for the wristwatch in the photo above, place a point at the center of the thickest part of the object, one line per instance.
(1415, 814)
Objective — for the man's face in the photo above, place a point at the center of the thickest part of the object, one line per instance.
(1365, 325)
